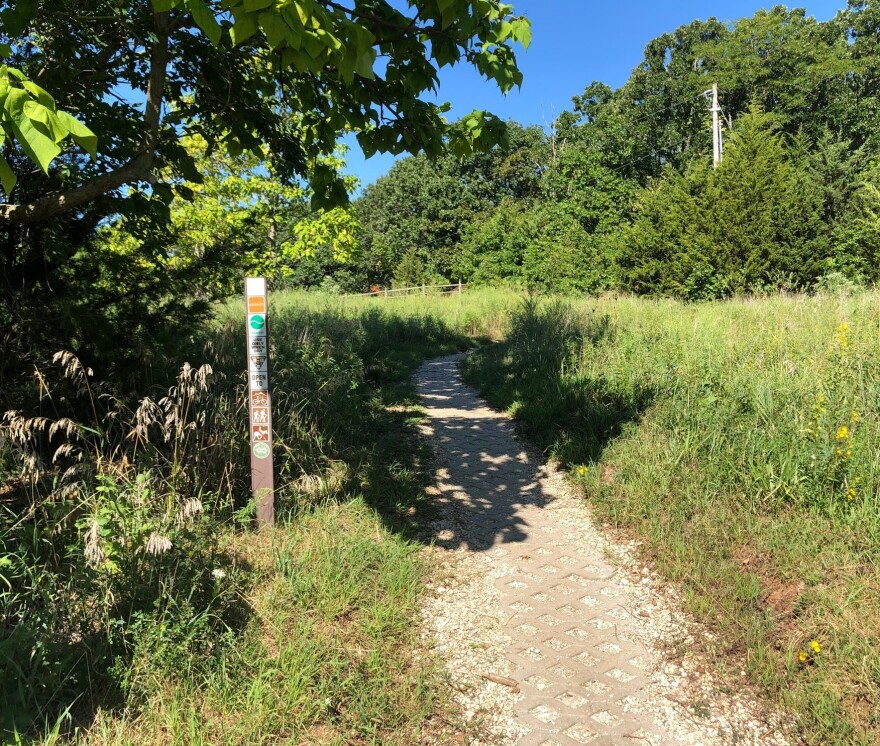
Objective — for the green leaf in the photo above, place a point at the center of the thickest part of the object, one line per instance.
(364, 64)
(79, 133)
(46, 119)
(522, 31)
(40, 148)
(38, 93)
(14, 102)
(5, 50)
(205, 20)
(15, 21)
(444, 6)
(253, 5)
(244, 28)
(7, 177)
(275, 28)
(163, 6)
(447, 16)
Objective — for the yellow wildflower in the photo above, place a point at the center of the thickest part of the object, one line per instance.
(802, 656)
(582, 470)
(842, 432)
(854, 417)
(851, 494)
(842, 336)
(815, 647)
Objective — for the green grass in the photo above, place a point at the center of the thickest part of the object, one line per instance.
(709, 431)
(310, 635)
(328, 656)
(714, 433)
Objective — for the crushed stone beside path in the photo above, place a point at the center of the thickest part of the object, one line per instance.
(530, 590)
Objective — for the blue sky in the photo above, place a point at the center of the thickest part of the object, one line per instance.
(574, 43)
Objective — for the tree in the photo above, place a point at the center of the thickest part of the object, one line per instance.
(242, 73)
(277, 81)
(241, 218)
(752, 223)
(789, 63)
(423, 206)
(657, 117)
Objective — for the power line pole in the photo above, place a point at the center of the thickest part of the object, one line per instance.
(717, 144)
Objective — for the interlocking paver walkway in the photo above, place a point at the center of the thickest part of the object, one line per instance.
(584, 674)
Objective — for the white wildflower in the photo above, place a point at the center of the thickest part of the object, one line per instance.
(218, 573)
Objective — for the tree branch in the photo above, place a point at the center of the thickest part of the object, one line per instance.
(137, 169)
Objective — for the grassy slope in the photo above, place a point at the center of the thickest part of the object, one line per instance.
(715, 433)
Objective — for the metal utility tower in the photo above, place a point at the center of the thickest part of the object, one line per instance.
(717, 142)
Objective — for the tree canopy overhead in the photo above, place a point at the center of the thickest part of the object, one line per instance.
(125, 79)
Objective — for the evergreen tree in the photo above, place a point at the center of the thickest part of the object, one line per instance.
(753, 223)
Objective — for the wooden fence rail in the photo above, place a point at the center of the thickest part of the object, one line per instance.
(456, 288)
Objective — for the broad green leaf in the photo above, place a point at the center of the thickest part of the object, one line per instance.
(7, 177)
(522, 31)
(14, 102)
(253, 5)
(163, 6)
(40, 148)
(364, 64)
(205, 20)
(245, 27)
(275, 28)
(45, 119)
(15, 20)
(447, 16)
(346, 64)
(5, 50)
(291, 57)
(79, 133)
(313, 46)
(304, 13)
(42, 96)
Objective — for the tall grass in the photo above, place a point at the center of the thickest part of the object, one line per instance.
(741, 442)
(127, 584)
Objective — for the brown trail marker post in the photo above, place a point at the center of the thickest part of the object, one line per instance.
(259, 399)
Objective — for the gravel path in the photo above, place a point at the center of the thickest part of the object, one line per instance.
(578, 635)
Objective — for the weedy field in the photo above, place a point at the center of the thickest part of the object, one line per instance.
(741, 442)
(138, 604)
(737, 440)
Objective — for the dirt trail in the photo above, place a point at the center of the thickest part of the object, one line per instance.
(534, 591)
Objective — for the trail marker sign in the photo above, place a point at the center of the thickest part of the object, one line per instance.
(259, 399)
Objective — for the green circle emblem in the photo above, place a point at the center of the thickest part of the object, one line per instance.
(258, 321)
(262, 450)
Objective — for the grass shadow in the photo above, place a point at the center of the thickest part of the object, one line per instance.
(572, 418)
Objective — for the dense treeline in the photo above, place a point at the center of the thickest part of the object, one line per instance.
(621, 192)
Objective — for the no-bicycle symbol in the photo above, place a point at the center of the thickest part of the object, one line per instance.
(258, 321)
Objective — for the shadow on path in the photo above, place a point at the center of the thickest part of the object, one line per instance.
(487, 475)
